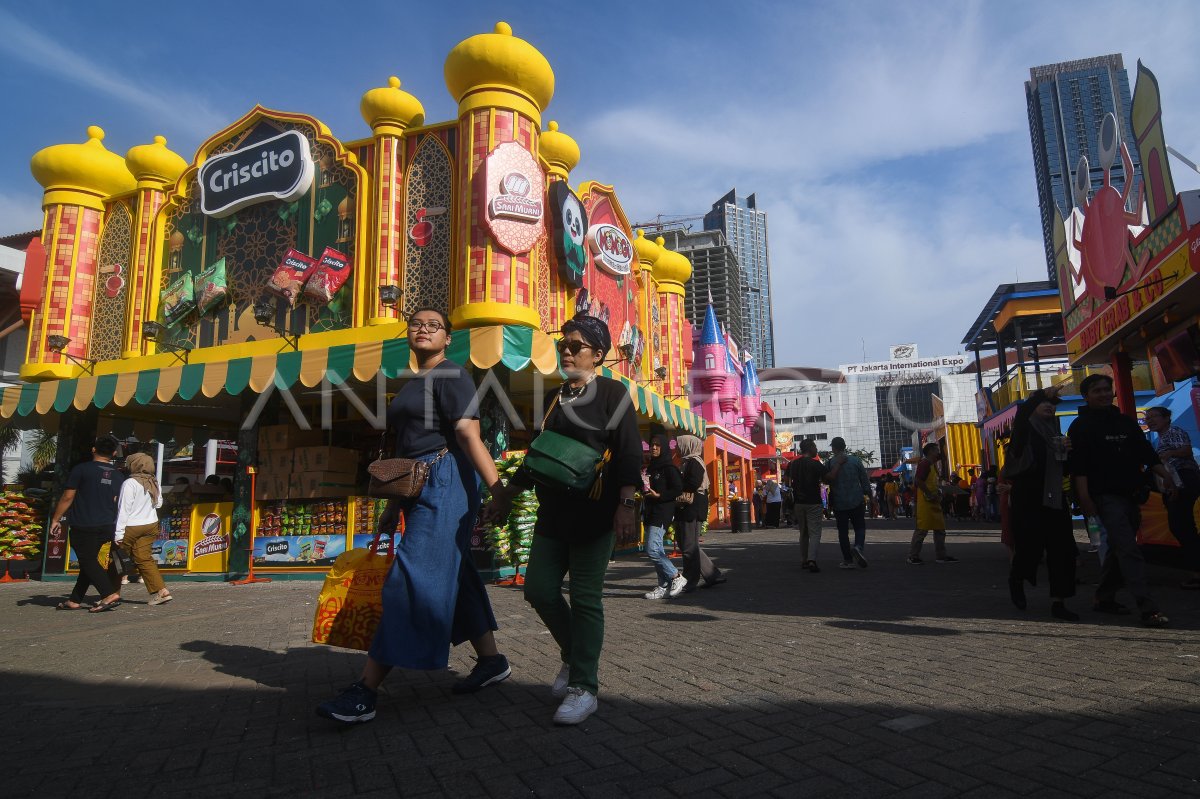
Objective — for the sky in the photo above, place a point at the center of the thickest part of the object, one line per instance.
(888, 142)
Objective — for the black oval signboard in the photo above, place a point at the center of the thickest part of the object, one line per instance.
(278, 168)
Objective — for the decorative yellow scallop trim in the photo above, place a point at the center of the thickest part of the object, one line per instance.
(46, 393)
(126, 386)
(368, 358)
(312, 366)
(214, 378)
(487, 346)
(168, 383)
(262, 372)
(85, 389)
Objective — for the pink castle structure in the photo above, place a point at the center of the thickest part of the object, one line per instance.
(724, 390)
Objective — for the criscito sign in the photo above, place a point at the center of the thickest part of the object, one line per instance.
(278, 168)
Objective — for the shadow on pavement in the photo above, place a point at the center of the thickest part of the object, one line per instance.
(239, 739)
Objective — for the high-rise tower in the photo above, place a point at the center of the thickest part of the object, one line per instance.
(745, 228)
(1066, 103)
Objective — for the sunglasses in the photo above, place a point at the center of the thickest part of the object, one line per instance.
(426, 327)
(573, 347)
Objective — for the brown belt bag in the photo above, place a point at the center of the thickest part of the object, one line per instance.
(399, 478)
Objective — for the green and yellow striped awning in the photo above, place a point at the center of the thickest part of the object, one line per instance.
(513, 347)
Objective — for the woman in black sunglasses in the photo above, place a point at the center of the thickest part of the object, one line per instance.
(574, 531)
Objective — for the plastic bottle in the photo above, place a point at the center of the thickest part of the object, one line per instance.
(1095, 530)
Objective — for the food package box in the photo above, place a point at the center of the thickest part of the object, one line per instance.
(312, 485)
(178, 300)
(331, 273)
(291, 275)
(271, 487)
(211, 288)
(276, 462)
(286, 436)
(327, 459)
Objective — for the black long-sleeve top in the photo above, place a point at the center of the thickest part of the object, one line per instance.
(692, 474)
(667, 482)
(602, 417)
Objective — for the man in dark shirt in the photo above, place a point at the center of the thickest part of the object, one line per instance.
(804, 476)
(89, 505)
(1108, 454)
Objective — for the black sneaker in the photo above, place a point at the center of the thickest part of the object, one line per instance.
(914, 560)
(487, 671)
(859, 557)
(947, 559)
(354, 705)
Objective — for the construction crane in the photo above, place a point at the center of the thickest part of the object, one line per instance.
(663, 221)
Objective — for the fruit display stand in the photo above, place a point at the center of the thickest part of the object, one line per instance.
(20, 534)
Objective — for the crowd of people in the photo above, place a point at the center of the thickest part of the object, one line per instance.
(434, 598)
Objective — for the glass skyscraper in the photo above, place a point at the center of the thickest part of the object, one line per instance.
(745, 229)
(1066, 103)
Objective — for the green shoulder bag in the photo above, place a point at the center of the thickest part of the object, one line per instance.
(561, 463)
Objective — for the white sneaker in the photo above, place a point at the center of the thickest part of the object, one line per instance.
(846, 565)
(559, 689)
(578, 705)
(678, 583)
(658, 593)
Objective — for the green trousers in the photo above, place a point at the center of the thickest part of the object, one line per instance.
(578, 628)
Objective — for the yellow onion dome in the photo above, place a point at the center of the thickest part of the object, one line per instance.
(154, 164)
(558, 150)
(648, 252)
(389, 107)
(672, 267)
(81, 174)
(498, 62)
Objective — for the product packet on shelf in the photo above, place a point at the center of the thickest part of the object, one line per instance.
(332, 272)
(211, 287)
(178, 300)
(289, 278)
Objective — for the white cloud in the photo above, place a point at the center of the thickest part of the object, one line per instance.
(187, 113)
(888, 144)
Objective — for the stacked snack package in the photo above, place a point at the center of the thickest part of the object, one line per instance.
(179, 299)
(211, 287)
(511, 540)
(331, 273)
(290, 277)
(20, 526)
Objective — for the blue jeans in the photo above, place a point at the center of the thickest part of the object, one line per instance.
(846, 518)
(655, 551)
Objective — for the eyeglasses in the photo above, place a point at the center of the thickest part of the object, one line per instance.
(573, 347)
(426, 327)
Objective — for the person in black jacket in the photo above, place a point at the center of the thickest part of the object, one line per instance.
(574, 531)
(658, 509)
(697, 565)
(1108, 455)
(1040, 512)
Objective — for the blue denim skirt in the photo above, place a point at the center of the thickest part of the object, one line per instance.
(433, 596)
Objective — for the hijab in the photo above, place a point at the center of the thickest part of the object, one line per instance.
(692, 448)
(664, 456)
(141, 470)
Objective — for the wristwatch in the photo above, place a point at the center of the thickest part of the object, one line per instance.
(629, 502)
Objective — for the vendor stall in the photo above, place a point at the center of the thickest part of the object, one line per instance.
(258, 293)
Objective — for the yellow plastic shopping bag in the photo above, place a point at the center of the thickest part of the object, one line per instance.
(351, 600)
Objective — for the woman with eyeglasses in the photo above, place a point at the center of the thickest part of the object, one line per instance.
(433, 596)
(574, 532)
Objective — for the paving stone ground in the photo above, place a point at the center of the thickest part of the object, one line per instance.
(890, 681)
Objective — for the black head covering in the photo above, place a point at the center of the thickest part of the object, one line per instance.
(594, 331)
(664, 457)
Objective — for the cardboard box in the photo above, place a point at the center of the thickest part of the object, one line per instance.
(317, 485)
(327, 459)
(272, 487)
(286, 436)
(276, 461)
